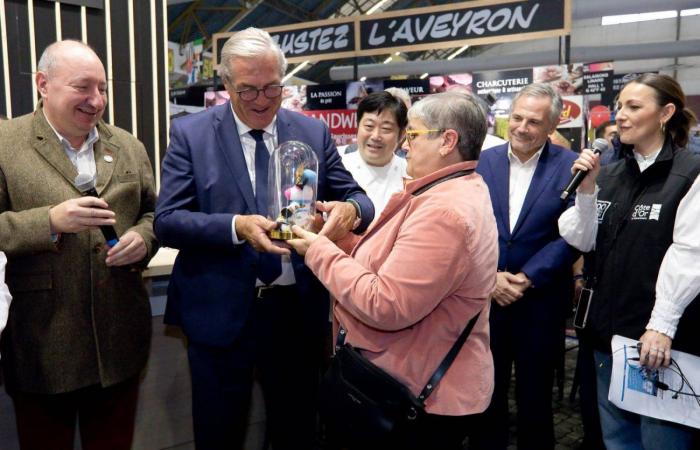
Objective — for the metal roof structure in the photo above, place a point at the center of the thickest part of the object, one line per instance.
(200, 19)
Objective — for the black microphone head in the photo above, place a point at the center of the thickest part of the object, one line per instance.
(600, 145)
(84, 182)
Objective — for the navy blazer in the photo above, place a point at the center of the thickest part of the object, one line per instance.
(204, 183)
(534, 247)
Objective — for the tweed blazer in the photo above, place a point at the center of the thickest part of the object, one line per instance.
(74, 322)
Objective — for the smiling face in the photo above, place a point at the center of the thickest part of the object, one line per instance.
(639, 117)
(255, 73)
(529, 125)
(74, 91)
(378, 135)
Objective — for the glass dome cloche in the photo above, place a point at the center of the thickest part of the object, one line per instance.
(292, 188)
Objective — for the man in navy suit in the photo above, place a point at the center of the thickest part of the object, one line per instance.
(244, 303)
(534, 280)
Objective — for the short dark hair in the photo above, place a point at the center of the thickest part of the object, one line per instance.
(600, 129)
(377, 102)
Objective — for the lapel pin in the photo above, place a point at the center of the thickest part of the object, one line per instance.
(108, 158)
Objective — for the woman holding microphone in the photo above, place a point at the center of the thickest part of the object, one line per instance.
(638, 217)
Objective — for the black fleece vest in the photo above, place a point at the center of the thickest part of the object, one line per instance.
(636, 216)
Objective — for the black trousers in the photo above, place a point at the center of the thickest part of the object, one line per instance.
(106, 418)
(529, 339)
(285, 356)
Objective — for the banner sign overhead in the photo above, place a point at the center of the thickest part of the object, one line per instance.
(454, 25)
(460, 24)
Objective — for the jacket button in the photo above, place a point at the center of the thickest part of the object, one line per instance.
(97, 248)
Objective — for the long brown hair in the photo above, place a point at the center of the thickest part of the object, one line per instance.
(667, 90)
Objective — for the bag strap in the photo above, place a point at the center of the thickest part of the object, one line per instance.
(447, 361)
(444, 365)
(458, 174)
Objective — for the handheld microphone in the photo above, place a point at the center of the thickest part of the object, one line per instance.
(599, 146)
(86, 185)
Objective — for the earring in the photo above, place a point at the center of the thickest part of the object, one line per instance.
(663, 128)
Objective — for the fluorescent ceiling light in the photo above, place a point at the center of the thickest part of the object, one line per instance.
(295, 71)
(458, 52)
(690, 12)
(424, 76)
(375, 7)
(363, 78)
(630, 18)
(388, 60)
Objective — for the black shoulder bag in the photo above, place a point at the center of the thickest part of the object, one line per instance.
(362, 405)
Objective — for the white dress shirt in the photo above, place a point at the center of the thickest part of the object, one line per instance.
(380, 183)
(5, 297)
(521, 174)
(83, 158)
(248, 145)
(679, 275)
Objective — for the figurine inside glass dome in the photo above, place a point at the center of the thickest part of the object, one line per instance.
(293, 180)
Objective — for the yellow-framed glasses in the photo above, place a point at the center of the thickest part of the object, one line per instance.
(411, 134)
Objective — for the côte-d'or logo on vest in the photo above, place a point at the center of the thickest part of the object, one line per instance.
(646, 212)
(640, 211)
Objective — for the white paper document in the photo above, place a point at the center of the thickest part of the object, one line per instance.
(661, 394)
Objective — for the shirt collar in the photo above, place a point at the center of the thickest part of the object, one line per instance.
(92, 137)
(533, 159)
(650, 159)
(244, 129)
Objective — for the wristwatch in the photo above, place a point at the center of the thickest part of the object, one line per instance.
(358, 212)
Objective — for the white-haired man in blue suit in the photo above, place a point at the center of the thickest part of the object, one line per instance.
(243, 302)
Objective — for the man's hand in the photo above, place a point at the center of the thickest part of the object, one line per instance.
(79, 214)
(656, 349)
(341, 219)
(304, 240)
(509, 287)
(130, 249)
(253, 229)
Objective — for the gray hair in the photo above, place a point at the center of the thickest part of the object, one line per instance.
(400, 94)
(249, 43)
(540, 90)
(454, 111)
(49, 58)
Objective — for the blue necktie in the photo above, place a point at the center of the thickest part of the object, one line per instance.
(269, 265)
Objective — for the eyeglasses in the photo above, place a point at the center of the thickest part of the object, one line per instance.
(269, 91)
(411, 134)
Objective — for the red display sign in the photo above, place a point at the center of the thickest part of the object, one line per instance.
(571, 116)
(341, 122)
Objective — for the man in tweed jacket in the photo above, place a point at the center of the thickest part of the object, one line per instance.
(79, 327)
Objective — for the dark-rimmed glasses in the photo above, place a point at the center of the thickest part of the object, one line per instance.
(269, 91)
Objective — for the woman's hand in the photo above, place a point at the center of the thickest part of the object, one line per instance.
(656, 349)
(589, 162)
(304, 240)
